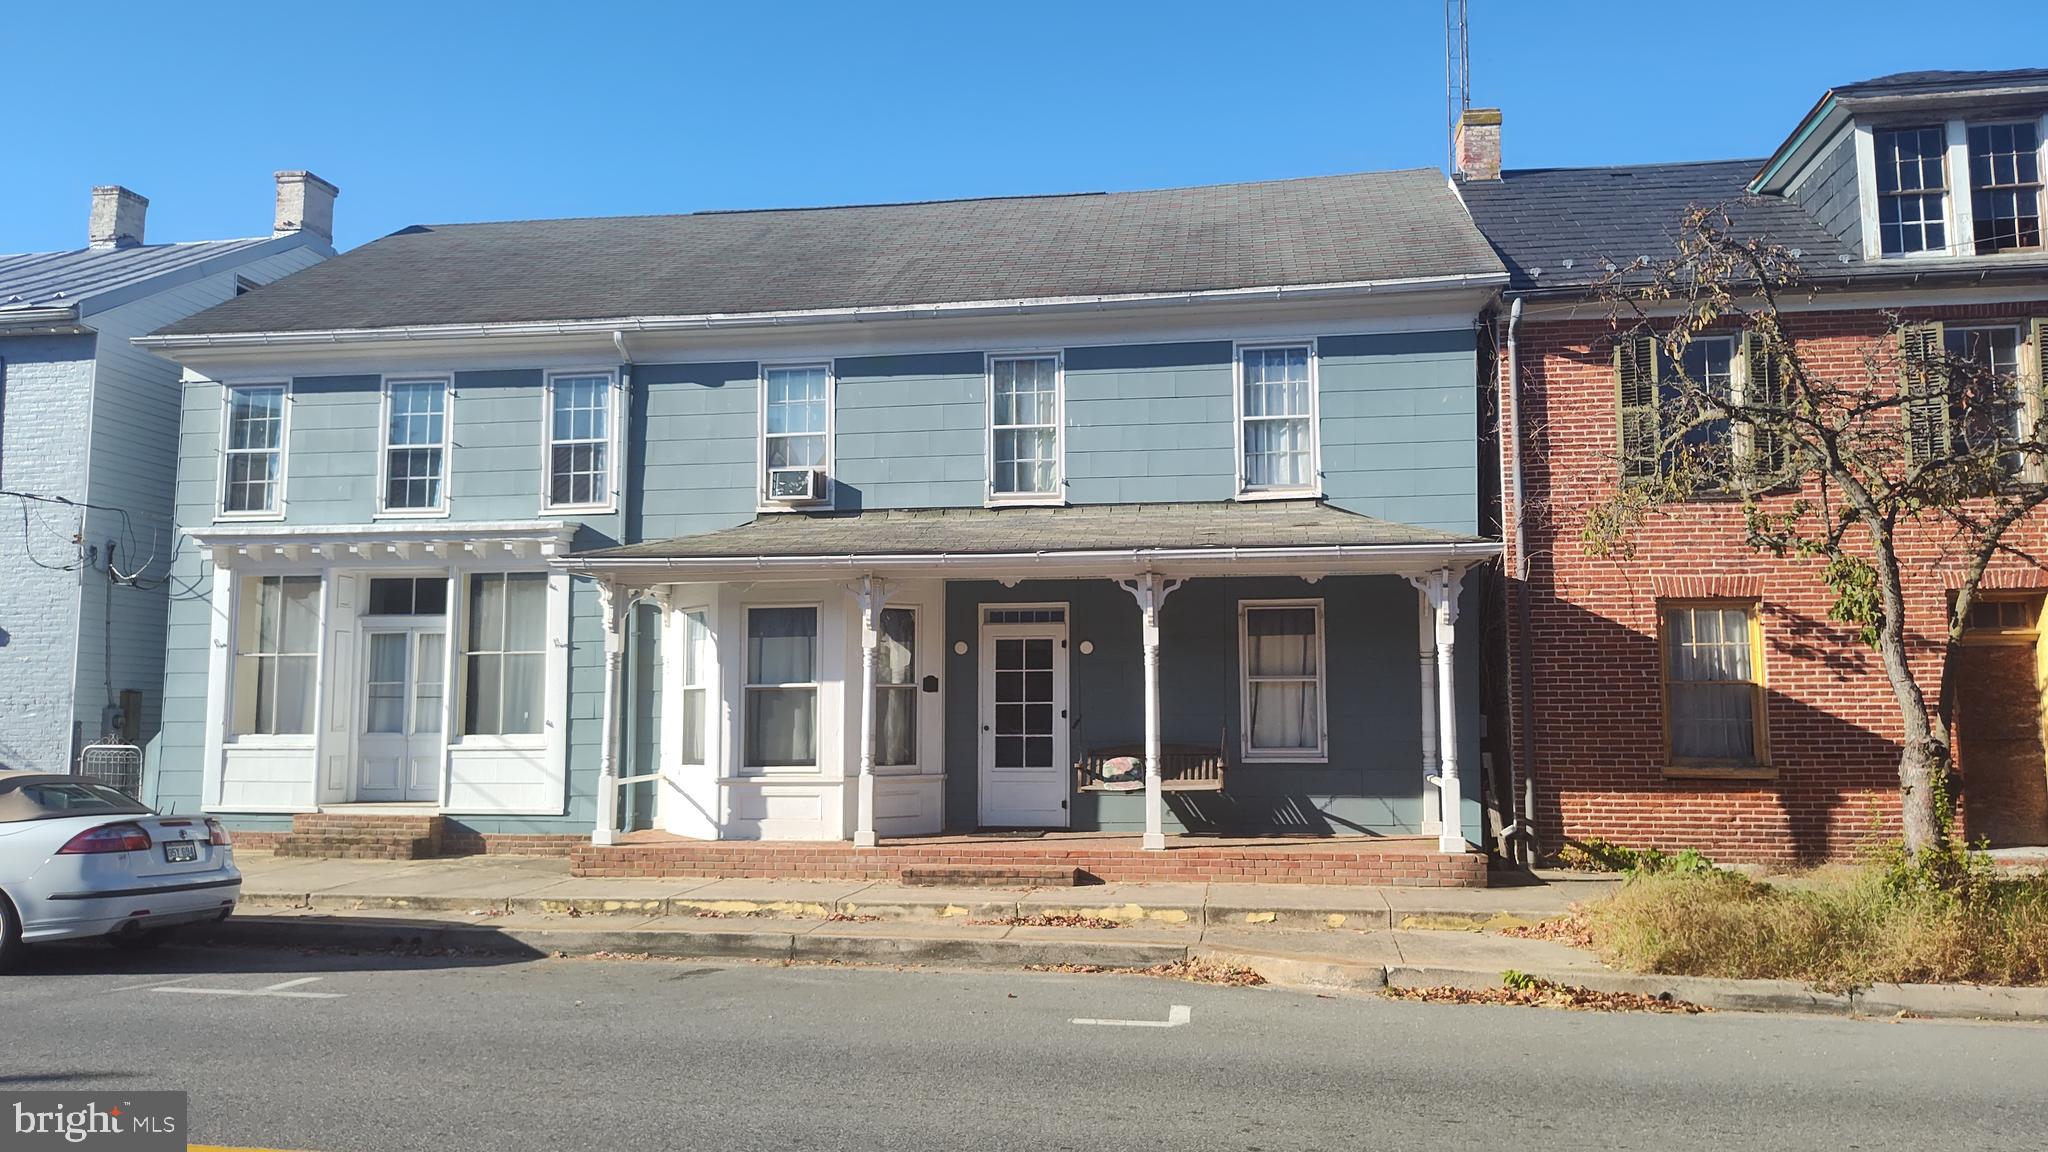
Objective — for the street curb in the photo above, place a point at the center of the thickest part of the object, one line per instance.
(995, 907)
(1307, 972)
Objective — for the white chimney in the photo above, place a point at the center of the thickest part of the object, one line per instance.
(305, 203)
(116, 220)
(1476, 146)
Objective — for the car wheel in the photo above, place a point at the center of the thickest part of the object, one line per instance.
(11, 947)
(139, 941)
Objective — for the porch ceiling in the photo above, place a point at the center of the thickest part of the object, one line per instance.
(1303, 537)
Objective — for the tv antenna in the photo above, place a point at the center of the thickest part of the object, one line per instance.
(1457, 76)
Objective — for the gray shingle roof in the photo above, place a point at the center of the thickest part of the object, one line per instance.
(1928, 83)
(1561, 227)
(1082, 528)
(59, 279)
(1320, 230)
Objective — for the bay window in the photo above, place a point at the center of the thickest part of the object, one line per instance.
(781, 691)
(896, 688)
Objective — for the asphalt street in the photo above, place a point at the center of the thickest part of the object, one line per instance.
(377, 1053)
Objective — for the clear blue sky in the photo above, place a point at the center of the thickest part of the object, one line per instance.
(425, 112)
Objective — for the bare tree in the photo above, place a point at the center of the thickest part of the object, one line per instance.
(1919, 437)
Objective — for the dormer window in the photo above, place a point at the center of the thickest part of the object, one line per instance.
(2005, 186)
(1912, 186)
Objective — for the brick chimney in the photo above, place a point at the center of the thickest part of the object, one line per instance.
(116, 220)
(1476, 146)
(305, 203)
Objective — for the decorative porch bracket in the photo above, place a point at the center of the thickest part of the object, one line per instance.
(1440, 593)
(1151, 592)
(871, 594)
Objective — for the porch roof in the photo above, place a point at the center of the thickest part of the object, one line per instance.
(1304, 536)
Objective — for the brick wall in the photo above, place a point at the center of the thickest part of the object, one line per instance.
(1596, 723)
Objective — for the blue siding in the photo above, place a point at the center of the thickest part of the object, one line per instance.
(1400, 426)
(694, 433)
(1150, 423)
(910, 431)
(331, 451)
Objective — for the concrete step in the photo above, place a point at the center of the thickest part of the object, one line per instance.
(990, 876)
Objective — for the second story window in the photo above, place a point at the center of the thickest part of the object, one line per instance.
(579, 441)
(1912, 187)
(252, 451)
(415, 445)
(2005, 186)
(1276, 416)
(795, 432)
(1024, 435)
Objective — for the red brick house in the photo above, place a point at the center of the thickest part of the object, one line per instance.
(1697, 694)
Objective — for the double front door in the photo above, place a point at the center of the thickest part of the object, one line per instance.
(399, 748)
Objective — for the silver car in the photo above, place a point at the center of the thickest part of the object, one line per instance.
(80, 860)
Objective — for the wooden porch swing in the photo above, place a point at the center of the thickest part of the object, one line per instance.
(1182, 767)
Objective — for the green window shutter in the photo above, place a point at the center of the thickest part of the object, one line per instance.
(1924, 385)
(1635, 379)
(1763, 387)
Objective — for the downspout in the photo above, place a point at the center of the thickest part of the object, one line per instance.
(1524, 825)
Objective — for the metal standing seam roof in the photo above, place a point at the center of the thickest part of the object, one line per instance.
(38, 280)
(1221, 525)
(1373, 226)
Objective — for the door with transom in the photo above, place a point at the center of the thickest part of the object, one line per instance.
(1025, 767)
(405, 666)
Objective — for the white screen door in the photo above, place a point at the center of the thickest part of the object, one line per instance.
(1025, 769)
(400, 745)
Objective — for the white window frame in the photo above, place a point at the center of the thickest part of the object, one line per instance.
(284, 431)
(912, 686)
(748, 688)
(1058, 495)
(1969, 189)
(385, 447)
(764, 504)
(704, 662)
(1320, 754)
(1869, 197)
(1314, 488)
(612, 441)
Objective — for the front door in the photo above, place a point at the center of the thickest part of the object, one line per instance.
(399, 756)
(1025, 769)
(1999, 695)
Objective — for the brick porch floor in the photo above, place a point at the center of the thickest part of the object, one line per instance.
(1403, 861)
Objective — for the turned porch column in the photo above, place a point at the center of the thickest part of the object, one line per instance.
(612, 604)
(1441, 590)
(871, 594)
(1151, 592)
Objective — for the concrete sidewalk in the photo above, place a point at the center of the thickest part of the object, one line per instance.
(496, 885)
(1318, 937)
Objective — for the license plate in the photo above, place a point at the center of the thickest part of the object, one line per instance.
(181, 851)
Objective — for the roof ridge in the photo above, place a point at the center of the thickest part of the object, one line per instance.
(992, 199)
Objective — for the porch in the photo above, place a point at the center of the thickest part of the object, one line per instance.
(833, 683)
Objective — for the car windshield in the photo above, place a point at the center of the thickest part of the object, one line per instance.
(48, 798)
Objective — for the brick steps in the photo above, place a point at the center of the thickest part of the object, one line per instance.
(369, 836)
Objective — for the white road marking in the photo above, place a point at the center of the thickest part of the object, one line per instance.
(1176, 1016)
(153, 984)
(276, 990)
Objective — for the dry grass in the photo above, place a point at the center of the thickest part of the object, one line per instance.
(1836, 928)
